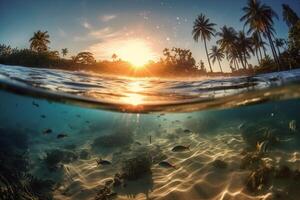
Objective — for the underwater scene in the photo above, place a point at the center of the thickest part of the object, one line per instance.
(55, 147)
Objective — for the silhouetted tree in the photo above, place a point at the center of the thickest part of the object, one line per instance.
(85, 58)
(228, 45)
(259, 17)
(244, 47)
(114, 57)
(5, 50)
(64, 52)
(216, 54)
(294, 38)
(179, 59)
(279, 43)
(203, 29)
(257, 45)
(54, 54)
(289, 16)
(39, 42)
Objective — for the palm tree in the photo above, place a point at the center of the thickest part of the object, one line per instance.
(233, 58)
(86, 58)
(257, 45)
(279, 43)
(64, 51)
(114, 57)
(39, 42)
(259, 18)
(289, 16)
(54, 54)
(204, 29)
(244, 46)
(227, 42)
(216, 54)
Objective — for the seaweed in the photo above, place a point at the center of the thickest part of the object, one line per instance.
(258, 179)
(16, 181)
(253, 135)
(105, 193)
(251, 161)
(136, 167)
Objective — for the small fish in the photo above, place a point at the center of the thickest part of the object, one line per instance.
(47, 131)
(241, 126)
(35, 104)
(137, 143)
(292, 125)
(189, 117)
(103, 162)
(262, 147)
(78, 116)
(43, 116)
(166, 164)
(180, 148)
(60, 136)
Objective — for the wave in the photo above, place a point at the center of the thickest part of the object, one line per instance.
(148, 94)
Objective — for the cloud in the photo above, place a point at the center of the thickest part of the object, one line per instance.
(86, 25)
(99, 34)
(106, 18)
(103, 33)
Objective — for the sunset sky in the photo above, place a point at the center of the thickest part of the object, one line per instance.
(119, 26)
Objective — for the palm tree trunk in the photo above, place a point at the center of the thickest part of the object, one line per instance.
(237, 64)
(265, 54)
(260, 53)
(256, 53)
(278, 50)
(207, 55)
(242, 61)
(245, 60)
(273, 50)
(220, 65)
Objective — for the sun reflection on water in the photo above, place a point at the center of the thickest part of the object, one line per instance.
(133, 96)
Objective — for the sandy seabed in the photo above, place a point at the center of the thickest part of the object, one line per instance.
(195, 176)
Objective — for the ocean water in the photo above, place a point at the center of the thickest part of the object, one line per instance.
(76, 135)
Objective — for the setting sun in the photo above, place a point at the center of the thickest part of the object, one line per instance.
(137, 52)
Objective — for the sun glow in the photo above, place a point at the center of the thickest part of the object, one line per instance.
(133, 96)
(137, 52)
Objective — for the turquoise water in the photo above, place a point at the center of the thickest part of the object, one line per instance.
(244, 145)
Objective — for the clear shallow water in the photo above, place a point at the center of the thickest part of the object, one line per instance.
(51, 139)
(146, 95)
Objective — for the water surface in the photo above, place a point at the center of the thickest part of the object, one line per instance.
(240, 134)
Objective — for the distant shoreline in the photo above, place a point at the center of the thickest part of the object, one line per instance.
(134, 73)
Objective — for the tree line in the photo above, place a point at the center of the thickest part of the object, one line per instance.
(238, 47)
